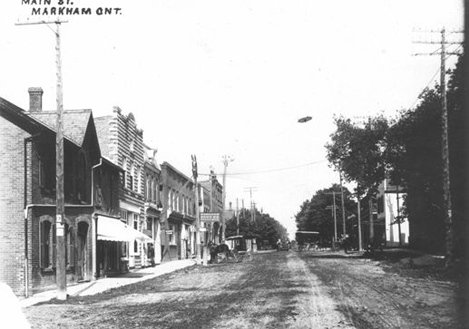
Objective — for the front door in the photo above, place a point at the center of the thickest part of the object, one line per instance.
(82, 251)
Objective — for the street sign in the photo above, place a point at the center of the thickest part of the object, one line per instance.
(169, 231)
(210, 217)
(203, 229)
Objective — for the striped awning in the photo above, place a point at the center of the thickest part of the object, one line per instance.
(112, 229)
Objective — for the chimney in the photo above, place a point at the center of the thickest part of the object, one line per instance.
(35, 99)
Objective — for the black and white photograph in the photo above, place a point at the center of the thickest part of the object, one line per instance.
(233, 164)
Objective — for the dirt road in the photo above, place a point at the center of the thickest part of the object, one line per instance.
(274, 290)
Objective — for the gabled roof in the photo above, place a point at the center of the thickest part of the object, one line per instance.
(102, 125)
(75, 123)
(19, 117)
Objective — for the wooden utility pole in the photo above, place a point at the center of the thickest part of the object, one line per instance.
(398, 216)
(237, 217)
(226, 160)
(197, 210)
(372, 228)
(334, 214)
(360, 248)
(252, 208)
(60, 274)
(447, 213)
(445, 155)
(344, 230)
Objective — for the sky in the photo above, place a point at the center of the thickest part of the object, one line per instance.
(215, 78)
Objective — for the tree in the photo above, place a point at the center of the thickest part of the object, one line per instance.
(413, 155)
(262, 228)
(316, 214)
(357, 152)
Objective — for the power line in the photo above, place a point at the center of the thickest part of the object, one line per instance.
(428, 84)
(271, 170)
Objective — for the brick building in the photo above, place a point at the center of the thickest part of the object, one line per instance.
(122, 143)
(178, 215)
(153, 206)
(214, 204)
(27, 195)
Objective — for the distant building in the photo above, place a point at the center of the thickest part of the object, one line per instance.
(390, 204)
(153, 206)
(28, 197)
(178, 214)
(214, 204)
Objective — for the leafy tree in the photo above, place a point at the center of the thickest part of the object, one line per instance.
(262, 228)
(414, 159)
(357, 152)
(316, 214)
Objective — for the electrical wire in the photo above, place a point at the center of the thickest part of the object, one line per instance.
(269, 170)
(428, 84)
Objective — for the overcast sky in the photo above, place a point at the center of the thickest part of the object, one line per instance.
(233, 77)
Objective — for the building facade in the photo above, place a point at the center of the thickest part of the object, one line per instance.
(153, 206)
(214, 204)
(28, 196)
(121, 141)
(178, 214)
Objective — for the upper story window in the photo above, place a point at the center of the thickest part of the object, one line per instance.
(153, 190)
(170, 200)
(148, 187)
(138, 184)
(81, 177)
(124, 173)
(131, 181)
(124, 215)
(131, 145)
(42, 174)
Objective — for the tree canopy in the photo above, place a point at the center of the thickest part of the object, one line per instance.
(263, 228)
(357, 151)
(408, 150)
(316, 214)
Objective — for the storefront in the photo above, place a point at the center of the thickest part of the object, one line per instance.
(114, 237)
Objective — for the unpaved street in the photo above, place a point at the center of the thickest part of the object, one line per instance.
(274, 290)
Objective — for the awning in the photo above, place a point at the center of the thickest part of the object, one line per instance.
(111, 229)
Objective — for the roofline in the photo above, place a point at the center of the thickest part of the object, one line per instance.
(167, 164)
(53, 130)
(112, 164)
(18, 116)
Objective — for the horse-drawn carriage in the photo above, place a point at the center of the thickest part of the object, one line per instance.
(234, 248)
(307, 240)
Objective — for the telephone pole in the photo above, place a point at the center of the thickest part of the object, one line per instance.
(447, 213)
(359, 219)
(344, 230)
(197, 210)
(252, 209)
(226, 160)
(60, 275)
(334, 214)
(237, 217)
